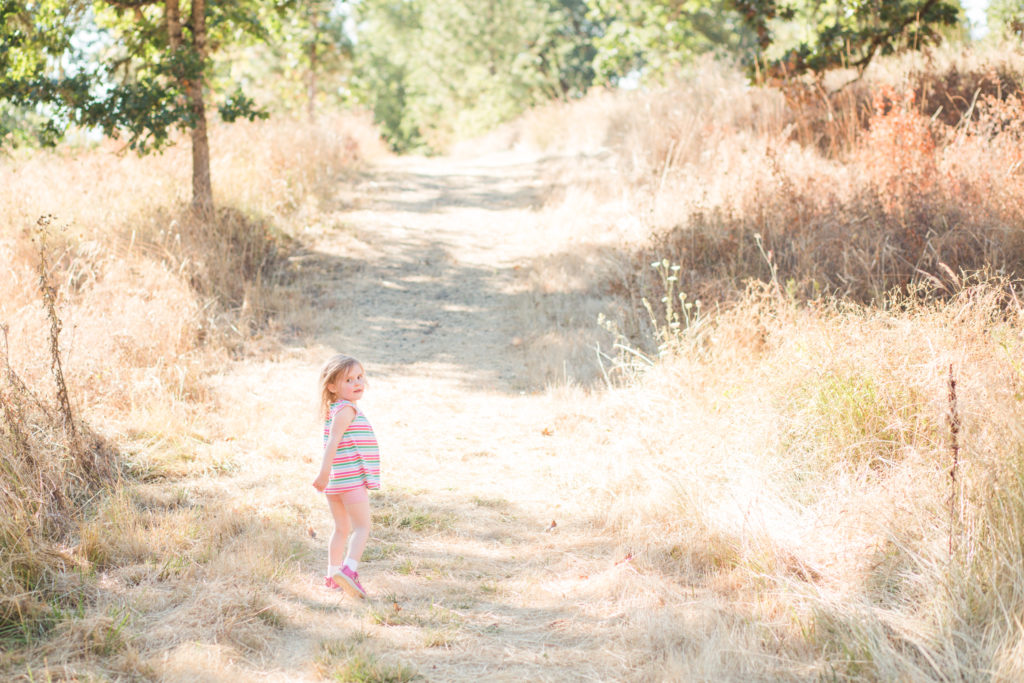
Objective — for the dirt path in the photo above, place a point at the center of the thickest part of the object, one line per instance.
(420, 280)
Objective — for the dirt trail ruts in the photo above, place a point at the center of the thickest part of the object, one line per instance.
(418, 276)
(439, 242)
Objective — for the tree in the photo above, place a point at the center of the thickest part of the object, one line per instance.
(1006, 18)
(30, 37)
(566, 50)
(312, 50)
(435, 70)
(848, 33)
(651, 37)
(383, 80)
(304, 63)
(142, 73)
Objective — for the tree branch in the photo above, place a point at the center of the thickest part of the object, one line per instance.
(880, 39)
(131, 4)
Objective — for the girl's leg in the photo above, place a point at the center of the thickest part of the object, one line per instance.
(342, 529)
(357, 505)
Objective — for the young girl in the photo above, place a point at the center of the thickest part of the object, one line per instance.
(350, 466)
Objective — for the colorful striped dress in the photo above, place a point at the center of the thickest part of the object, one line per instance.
(357, 459)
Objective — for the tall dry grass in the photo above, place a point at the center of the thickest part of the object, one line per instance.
(149, 299)
(793, 462)
(892, 180)
(144, 285)
(795, 277)
(51, 464)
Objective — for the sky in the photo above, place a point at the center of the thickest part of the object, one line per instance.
(976, 13)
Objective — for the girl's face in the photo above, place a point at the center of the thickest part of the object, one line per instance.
(350, 386)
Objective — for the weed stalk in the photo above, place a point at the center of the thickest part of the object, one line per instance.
(953, 418)
(49, 294)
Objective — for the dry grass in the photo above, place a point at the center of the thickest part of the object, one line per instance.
(788, 417)
(730, 183)
(146, 286)
(882, 198)
(758, 491)
(795, 463)
(151, 299)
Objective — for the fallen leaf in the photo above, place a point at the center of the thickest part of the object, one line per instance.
(547, 431)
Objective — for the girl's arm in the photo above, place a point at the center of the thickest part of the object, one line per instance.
(342, 419)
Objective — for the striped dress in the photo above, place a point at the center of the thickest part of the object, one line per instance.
(357, 459)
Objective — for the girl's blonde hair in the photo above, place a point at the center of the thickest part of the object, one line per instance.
(335, 365)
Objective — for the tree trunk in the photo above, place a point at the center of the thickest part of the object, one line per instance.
(173, 25)
(202, 190)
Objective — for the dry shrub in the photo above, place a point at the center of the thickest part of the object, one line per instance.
(827, 113)
(148, 288)
(850, 192)
(52, 465)
(655, 131)
(544, 128)
(830, 111)
(266, 168)
(686, 124)
(223, 257)
(134, 326)
(795, 461)
(792, 440)
(916, 202)
(899, 151)
(949, 92)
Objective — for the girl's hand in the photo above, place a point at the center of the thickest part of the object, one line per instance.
(339, 423)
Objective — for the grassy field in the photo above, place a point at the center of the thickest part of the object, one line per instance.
(700, 382)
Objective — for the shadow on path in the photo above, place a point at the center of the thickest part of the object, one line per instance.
(426, 192)
(436, 287)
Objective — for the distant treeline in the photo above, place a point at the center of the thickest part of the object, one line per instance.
(430, 70)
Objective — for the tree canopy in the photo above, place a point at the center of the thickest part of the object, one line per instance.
(35, 52)
(848, 33)
(132, 68)
(1005, 18)
(430, 70)
(656, 36)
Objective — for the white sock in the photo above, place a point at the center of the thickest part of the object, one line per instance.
(351, 564)
(333, 569)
